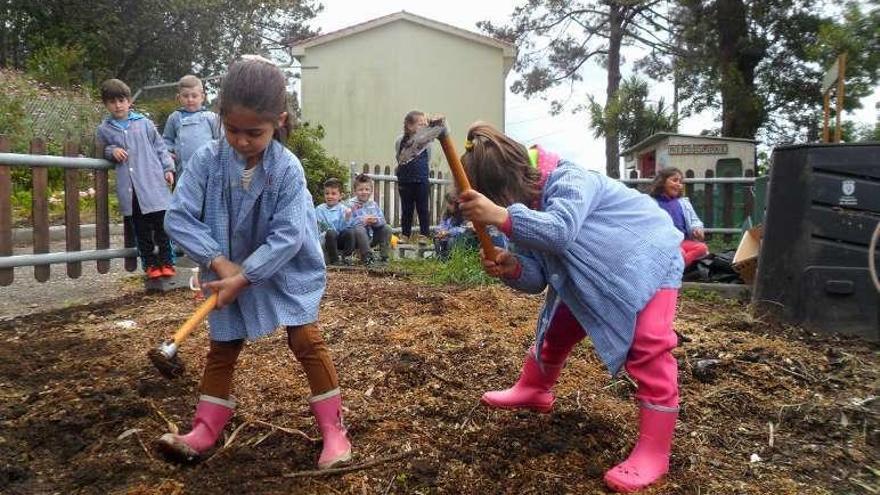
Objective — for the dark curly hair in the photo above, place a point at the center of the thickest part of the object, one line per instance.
(658, 187)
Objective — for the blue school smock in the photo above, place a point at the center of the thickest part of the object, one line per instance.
(601, 248)
(269, 229)
(185, 132)
(144, 170)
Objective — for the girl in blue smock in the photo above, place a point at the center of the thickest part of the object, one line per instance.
(609, 260)
(242, 211)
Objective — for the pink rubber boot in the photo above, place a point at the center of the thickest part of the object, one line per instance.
(327, 409)
(212, 414)
(649, 460)
(532, 391)
(651, 364)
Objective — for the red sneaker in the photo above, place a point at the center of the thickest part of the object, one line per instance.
(168, 271)
(154, 272)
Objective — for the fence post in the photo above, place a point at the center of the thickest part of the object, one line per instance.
(431, 208)
(727, 208)
(386, 197)
(441, 200)
(377, 196)
(102, 208)
(40, 209)
(71, 210)
(398, 215)
(709, 218)
(689, 188)
(6, 274)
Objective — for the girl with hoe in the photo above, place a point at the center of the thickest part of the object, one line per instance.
(610, 261)
(245, 215)
(412, 179)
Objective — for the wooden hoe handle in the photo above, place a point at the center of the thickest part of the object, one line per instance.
(463, 184)
(194, 320)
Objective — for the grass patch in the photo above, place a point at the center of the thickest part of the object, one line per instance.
(462, 268)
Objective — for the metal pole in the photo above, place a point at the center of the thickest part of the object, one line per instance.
(21, 160)
(65, 257)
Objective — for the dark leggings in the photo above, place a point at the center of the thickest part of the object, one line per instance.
(149, 232)
(414, 196)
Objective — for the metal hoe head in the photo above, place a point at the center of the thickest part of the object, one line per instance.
(421, 139)
(165, 359)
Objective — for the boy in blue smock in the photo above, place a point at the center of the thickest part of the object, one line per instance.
(332, 217)
(192, 125)
(144, 171)
(367, 222)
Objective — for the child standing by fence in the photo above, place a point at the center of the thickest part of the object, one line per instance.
(610, 261)
(244, 214)
(413, 183)
(192, 125)
(667, 189)
(144, 171)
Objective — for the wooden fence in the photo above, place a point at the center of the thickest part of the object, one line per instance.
(74, 166)
(722, 203)
(386, 196)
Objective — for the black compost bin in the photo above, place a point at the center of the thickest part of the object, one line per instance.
(823, 204)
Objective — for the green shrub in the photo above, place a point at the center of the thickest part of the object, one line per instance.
(158, 110)
(57, 65)
(305, 143)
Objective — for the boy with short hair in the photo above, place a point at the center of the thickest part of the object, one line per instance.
(333, 216)
(191, 125)
(144, 170)
(367, 221)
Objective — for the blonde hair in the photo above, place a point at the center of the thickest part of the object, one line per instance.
(190, 81)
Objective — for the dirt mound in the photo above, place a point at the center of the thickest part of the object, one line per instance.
(81, 403)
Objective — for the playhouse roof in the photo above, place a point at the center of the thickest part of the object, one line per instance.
(660, 136)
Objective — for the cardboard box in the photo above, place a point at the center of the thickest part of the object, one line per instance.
(745, 260)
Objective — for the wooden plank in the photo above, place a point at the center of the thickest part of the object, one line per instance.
(6, 274)
(397, 213)
(709, 218)
(71, 210)
(431, 191)
(102, 209)
(40, 209)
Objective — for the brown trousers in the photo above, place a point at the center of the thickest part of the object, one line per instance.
(307, 345)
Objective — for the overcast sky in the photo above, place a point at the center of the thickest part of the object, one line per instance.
(529, 120)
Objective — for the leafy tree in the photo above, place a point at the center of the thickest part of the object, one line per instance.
(155, 41)
(629, 115)
(762, 62)
(305, 143)
(556, 38)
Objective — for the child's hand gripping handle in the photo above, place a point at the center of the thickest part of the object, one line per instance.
(463, 184)
(194, 320)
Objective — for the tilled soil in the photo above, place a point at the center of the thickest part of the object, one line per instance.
(777, 410)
